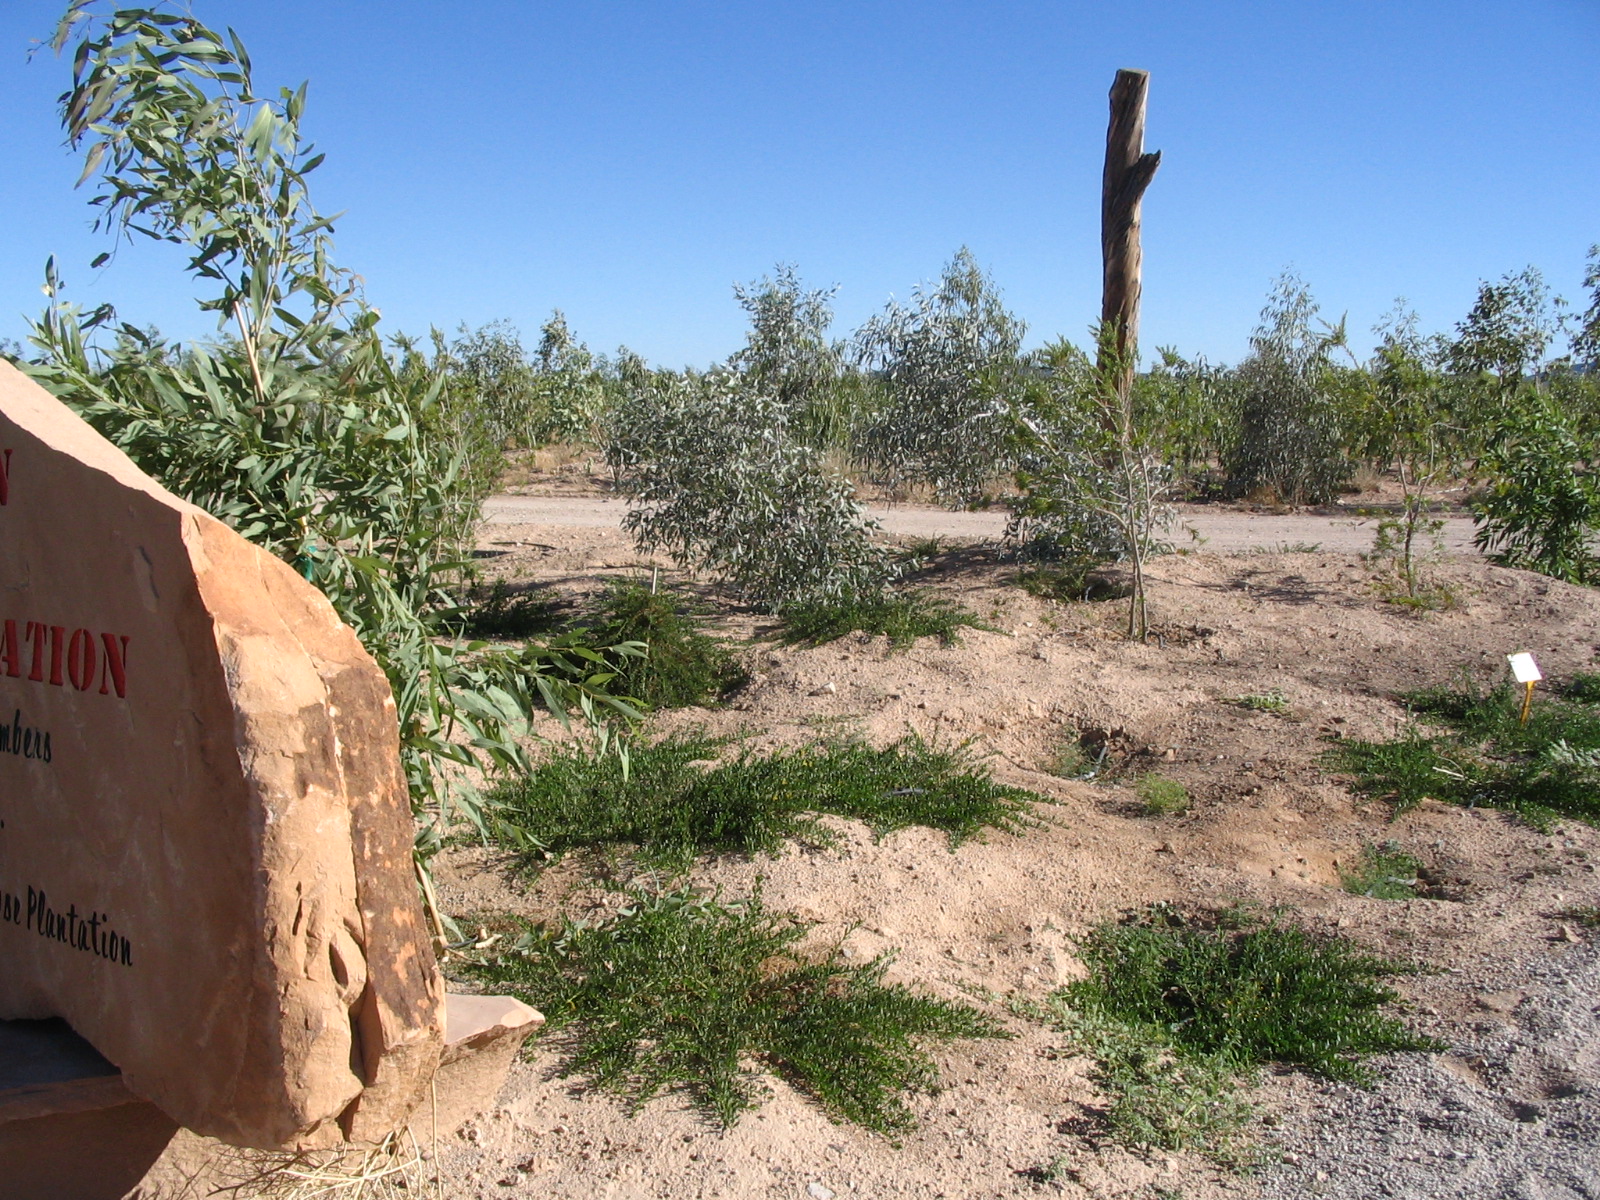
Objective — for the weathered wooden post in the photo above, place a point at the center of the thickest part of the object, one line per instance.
(1128, 172)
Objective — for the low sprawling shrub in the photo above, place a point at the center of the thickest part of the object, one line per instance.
(682, 664)
(901, 616)
(680, 991)
(1177, 1011)
(1485, 755)
(673, 800)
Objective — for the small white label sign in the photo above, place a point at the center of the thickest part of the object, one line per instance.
(1523, 668)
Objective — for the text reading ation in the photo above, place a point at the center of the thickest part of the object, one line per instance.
(52, 654)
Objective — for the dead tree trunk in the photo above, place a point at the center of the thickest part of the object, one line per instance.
(1128, 172)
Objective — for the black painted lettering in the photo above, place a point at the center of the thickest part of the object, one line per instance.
(91, 935)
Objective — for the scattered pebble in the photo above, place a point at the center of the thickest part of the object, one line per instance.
(1426, 1132)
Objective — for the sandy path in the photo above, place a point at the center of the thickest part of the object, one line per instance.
(1220, 531)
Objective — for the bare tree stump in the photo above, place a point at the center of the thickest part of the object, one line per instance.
(1128, 172)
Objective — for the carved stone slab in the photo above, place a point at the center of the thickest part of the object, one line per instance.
(205, 841)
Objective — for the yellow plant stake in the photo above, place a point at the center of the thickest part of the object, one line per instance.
(1526, 672)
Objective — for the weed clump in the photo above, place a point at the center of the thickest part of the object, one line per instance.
(903, 616)
(1162, 797)
(1385, 872)
(680, 991)
(673, 801)
(684, 664)
(675, 663)
(1072, 761)
(1067, 582)
(504, 614)
(1271, 701)
(1586, 915)
(1176, 1012)
(1541, 770)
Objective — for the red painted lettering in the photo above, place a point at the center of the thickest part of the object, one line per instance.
(5, 476)
(114, 663)
(10, 651)
(36, 634)
(75, 659)
(80, 659)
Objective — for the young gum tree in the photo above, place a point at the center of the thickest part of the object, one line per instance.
(1093, 480)
(949, 363)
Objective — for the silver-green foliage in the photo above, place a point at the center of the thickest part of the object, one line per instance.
(949, 362)
(788, 354)
(721, 482)
(490, 368)
(297, 427)
(558, 396)
(1078, 503)
(1094, 485)
(1290, 440)
(571, 387)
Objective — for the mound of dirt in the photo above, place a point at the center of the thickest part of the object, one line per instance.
(1268, 825)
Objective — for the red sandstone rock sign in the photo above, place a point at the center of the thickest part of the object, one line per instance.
(205, 844)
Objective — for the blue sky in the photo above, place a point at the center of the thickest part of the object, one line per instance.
(628, 160)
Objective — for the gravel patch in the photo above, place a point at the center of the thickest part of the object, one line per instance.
(1511, 1110)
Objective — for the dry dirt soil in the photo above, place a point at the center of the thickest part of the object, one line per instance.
(1269, 825)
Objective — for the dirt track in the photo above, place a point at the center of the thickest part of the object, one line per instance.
(1221, 531)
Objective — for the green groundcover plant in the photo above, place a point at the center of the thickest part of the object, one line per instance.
(683, 991)
(673, 799)
(901, 616)
(682, 665)
(1474, 751)
(1179, 1012)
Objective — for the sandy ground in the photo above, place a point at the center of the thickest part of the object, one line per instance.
(997, 918)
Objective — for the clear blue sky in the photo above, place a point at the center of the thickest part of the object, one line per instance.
(629, 160)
